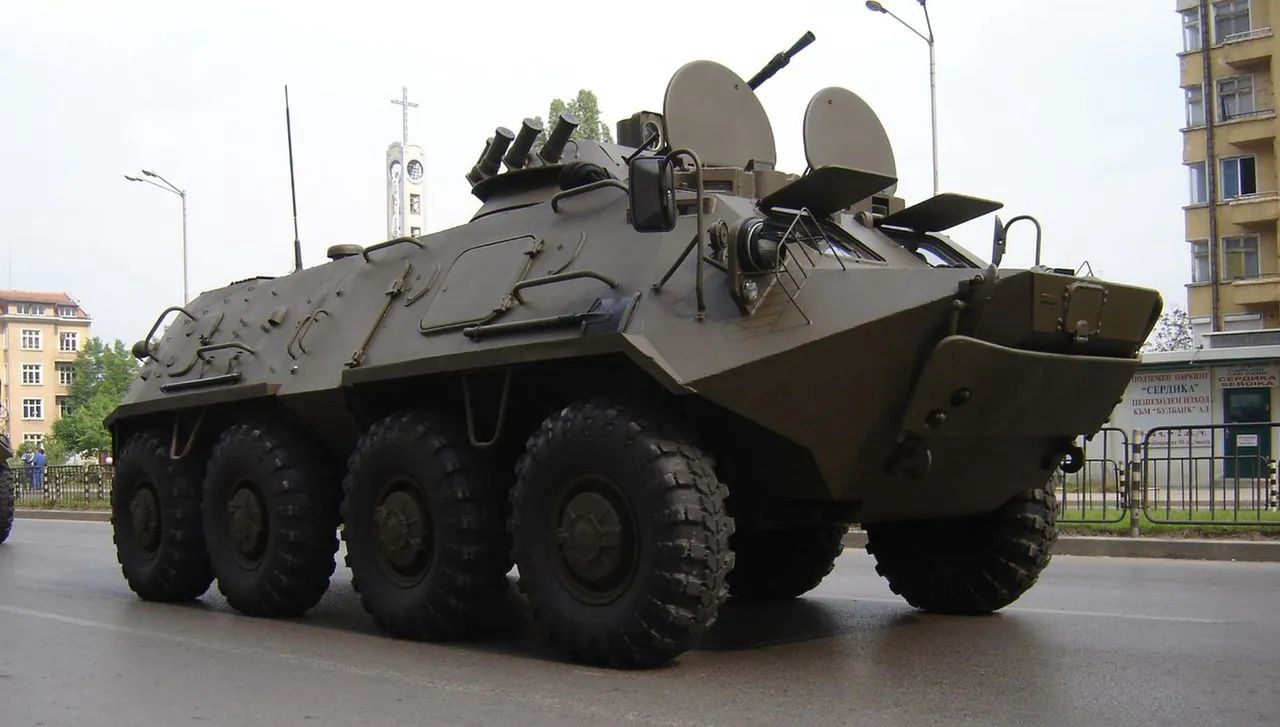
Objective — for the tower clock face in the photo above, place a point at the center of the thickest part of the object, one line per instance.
(415, 170)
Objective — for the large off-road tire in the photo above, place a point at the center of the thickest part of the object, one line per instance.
(621, 535)
(7, 495)
(425, 525)
(773, 565)
(968, 565)
(156, 521)
(271, 519)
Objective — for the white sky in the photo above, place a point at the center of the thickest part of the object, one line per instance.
(1066, 110)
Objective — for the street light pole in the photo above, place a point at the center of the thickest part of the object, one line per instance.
(182, 194)
(875, 6)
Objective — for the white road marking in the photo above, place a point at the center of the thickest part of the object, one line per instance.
(1057, 612)
(555, 704)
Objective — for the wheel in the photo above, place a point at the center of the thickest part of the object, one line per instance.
(772, 565)
(621, 535)
(968, 565)
(156, 522)
(425, 525)
(6, 501)
(271, 519)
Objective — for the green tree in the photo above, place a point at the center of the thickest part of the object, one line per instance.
(587, 108)
(102, 373)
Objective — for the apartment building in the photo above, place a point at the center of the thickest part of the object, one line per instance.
(41, 334)
(1228, 72)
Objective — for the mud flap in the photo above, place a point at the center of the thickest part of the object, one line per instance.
(974, 389)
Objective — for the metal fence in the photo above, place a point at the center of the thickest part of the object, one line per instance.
(64, 486)
(1194, 475)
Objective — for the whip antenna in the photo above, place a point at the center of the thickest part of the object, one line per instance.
(293, 191)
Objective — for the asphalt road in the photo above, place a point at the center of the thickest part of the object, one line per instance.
(1098, 641)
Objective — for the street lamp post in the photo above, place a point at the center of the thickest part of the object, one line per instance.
(182, 194)
(875, 6)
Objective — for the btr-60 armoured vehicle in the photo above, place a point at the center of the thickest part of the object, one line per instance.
(653, 375)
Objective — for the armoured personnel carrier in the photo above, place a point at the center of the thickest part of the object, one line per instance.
(7, 492)
(653, 375)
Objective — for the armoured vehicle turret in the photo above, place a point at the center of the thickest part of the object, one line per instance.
(654, 375)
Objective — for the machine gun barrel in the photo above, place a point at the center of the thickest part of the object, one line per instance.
(780, 61)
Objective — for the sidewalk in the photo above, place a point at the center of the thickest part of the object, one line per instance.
(1265, 551)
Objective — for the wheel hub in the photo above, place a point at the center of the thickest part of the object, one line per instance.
(144, 514)
(591, 539)
(248, 520)
(402, 531)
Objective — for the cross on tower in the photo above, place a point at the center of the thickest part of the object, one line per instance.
(405, 104)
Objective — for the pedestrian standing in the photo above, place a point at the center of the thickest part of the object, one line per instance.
(37, 470)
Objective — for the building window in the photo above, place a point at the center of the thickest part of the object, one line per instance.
(1242, 256)
(35, 438)
(1191, 30)
(31, 339)
(1199, 183)
(1239, 177)
(30, 309)
(33, 409)
(67, 311)
(1195, 106)
(1230, 17)
(64, 406)
(33, 373)
(1235, 97)
(69, 341)
(1200, 261)
(66, 374)
(415, 204)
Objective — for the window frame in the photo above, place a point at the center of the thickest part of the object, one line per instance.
(1200, 256)
(62, 340)
(63, 404)
(1221, 105)
(33, 404)
(37, 336)
(1187, 103)
(66, 373)
(36, 438)
(1255, 243)
(1191, 18)
(37, 371)
(1203, 187)
(1219, 38)
(66, 311)
(1222, 176)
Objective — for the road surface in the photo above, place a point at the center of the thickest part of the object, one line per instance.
(1098, 641)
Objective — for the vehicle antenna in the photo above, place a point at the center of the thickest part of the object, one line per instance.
(293, 190)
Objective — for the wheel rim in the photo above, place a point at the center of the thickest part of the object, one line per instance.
(595, 535)
(144, 516)
(403, 530)
(247, 517)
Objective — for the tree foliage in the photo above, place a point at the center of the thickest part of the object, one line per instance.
(102, 373)
(1172, 333)
(586, 107)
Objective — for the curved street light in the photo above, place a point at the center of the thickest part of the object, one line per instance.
(877, 7)
(172, 188)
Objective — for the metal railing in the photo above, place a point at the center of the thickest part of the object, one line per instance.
(1100, 491)
(1191, 475)
(64, 486)
(1215, 474)
(1246, 35)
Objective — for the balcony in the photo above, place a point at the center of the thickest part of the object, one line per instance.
(1245, 128)
(1263, 290)
(1253, 209)
(1244, 50)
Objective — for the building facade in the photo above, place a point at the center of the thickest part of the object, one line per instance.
(405, 187)
(1228, 72)
(42, 333)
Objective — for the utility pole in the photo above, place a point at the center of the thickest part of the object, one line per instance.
(405, 104)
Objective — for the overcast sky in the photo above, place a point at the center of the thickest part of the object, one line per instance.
(1068, 111)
